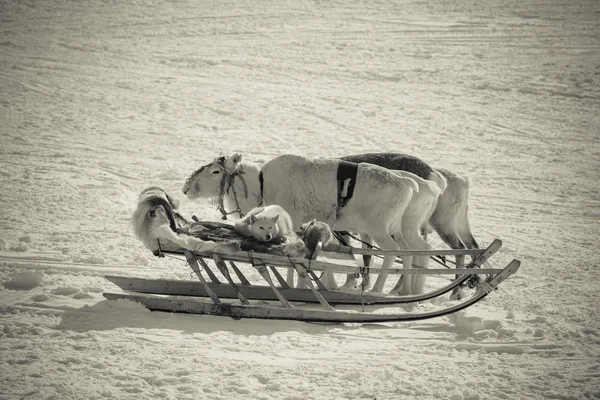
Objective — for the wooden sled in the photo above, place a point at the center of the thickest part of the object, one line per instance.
(204, 297)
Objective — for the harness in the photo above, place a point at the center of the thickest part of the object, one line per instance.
(227, 185)
(346, 180)
(261, 181)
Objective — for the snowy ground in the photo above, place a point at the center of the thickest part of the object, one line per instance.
(101, 99)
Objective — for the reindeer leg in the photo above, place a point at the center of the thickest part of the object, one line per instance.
(386, 242)
(367, 258)
(351, 279)
(452, 240)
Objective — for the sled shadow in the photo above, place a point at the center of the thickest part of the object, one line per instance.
(104, 316)
(110, 314)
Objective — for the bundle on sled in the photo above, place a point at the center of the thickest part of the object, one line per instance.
(261, 242)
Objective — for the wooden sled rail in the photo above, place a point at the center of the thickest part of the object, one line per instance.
(237, 311)
(336, 248)
(318, 265)
(349, 250)
(345, 269)
(262, 292)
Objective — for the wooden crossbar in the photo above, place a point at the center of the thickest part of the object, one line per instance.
(239, 274)
(359, 251)
(279, 278)
(192, 261)
(304, 276)
(223, 268)
(211, 274)
(264, 272)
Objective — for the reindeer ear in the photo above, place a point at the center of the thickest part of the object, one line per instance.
(232, 162)
(275, 218)
(252, 219)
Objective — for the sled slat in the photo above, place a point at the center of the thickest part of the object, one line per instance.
(239, 274)
(264, 272)
(211, 274)
(194, 265)
(336, 248)
(223, 268)
(279, 278)
(304, 276)
(486, 254)
(317, 265)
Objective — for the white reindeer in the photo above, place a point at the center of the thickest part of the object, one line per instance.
(307, 190)
(449, 220)
(416, 215)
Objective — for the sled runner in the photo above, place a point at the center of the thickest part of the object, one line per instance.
(277, 300)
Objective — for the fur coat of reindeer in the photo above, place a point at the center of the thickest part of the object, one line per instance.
(155, 222)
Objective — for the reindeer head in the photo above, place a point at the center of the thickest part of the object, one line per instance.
(206, 181)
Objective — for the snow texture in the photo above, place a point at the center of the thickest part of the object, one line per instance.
(101, 99)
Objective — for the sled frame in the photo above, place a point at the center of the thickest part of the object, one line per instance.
(190, 297)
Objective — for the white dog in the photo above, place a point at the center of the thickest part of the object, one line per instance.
(266, 223)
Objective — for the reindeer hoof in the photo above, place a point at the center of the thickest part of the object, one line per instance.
(457, 294)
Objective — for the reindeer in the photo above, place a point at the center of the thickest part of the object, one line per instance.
(371, 201)
(449, 219)
(418, 212)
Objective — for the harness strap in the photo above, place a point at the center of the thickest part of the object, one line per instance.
(346, 180)
(339, 235)
(227, 184)
(261, 180)
(230, 180)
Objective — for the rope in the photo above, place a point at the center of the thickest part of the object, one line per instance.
(228, 180)
(442, 263)
(251, 258)
(442, 260)
(200, 269)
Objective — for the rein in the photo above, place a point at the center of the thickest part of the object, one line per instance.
(226, 185)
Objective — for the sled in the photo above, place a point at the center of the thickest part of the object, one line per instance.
(314, 303)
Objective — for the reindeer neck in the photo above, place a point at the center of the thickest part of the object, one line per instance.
(246, 182)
